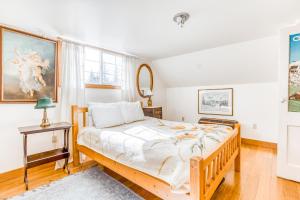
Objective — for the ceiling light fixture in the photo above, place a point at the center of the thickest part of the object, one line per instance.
(181, 18)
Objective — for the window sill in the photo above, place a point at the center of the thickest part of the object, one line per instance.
(96, 86)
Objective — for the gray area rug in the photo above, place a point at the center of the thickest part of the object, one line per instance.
(91, 184)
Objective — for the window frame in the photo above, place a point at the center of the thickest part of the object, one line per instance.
(102, 86)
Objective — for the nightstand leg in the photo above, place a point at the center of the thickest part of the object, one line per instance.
(66, 167)
(25, 160)
(66, 146)
(25, 178)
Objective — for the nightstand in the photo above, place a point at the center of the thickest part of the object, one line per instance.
(154, 111)
(47, 156)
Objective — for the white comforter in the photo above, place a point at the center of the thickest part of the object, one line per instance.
(157, 147)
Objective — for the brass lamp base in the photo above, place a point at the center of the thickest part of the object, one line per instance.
(149, 102)
(45, 121)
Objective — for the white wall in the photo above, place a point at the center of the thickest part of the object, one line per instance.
(11, 146)
(254, 104)
(103, 95)
(251, 68)
(16, 115)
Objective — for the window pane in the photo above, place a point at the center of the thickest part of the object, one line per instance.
(105, 71)
(91, 66)
(119, 60)
(109, 69)
(93, 78)
(119, 69)
(109, 58)
(118, 76)
(108, 79)
(92, 54)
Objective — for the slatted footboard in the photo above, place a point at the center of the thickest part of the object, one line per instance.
(206, 173)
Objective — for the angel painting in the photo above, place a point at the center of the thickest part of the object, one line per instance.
(28, 67)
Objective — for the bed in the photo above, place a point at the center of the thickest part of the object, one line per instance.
(194, 175)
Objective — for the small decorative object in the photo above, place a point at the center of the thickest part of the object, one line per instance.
(28, 68)
(149, 94)
(44, 103)
(294, 74)
(215, 101)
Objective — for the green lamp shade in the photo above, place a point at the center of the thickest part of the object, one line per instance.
(44, 102)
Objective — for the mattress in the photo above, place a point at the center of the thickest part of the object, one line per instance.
(157, 147)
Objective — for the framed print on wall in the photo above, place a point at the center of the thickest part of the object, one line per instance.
(28, 67)
(215, 101)
(294, 74)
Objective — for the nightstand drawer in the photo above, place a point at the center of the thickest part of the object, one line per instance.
(157, 112)
(153, 112)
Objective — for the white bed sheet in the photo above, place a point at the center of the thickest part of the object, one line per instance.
(157, 147)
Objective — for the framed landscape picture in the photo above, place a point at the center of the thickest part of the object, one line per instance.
(28, 68)
(215, 101)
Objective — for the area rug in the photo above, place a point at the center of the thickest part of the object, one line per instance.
(92, 184)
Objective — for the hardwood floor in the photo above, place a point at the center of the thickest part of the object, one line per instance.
(257, 180)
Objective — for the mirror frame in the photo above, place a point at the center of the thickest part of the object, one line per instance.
(138, 78)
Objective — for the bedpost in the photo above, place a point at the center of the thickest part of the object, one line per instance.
(237, 162)
(142, 105)
(74, 115)
(197, 178)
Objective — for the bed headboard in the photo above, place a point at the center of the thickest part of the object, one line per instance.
(227, 122)
(75, 112)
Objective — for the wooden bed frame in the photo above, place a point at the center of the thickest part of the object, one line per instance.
(206, 173)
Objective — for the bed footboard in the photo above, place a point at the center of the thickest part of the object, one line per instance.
(206, 173)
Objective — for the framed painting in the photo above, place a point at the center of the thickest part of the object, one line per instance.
(294, 74)
(28, 68)
(215, 101)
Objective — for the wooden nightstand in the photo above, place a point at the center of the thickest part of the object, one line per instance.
(47, 156)
(154, 111)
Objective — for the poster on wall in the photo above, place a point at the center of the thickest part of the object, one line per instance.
(28, 67)
(215, 101)
(294, 74)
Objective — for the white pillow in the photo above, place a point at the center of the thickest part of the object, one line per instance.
(107, 115)
(132, 111)
(91, 106)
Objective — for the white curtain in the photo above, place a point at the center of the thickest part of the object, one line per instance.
(128, 78)
(72, 83)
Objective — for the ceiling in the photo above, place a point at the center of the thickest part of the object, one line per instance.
(254, 61)
(145, 28)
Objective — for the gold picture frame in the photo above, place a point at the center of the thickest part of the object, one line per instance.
(29, 66)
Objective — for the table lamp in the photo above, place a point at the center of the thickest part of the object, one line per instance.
(149, 94)
(44, 103)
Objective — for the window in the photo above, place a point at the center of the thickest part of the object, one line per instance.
(102, 68)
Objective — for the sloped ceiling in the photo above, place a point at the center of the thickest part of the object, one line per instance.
(248, 62)
(145, 27)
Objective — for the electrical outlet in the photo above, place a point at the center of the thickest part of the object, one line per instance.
(54, 139)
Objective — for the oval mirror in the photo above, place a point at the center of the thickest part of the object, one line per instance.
(144, 81)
